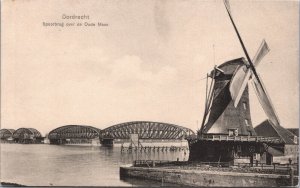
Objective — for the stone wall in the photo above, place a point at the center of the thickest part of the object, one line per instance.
(206, 178)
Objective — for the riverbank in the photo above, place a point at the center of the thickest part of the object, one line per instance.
(213, 177)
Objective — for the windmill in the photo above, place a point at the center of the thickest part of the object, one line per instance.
(226, 130)
(243, 74)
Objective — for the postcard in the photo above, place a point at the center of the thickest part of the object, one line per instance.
(149, 93)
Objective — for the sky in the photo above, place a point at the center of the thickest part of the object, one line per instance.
(148, 64)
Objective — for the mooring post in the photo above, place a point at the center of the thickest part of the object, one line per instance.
(292, 176)
(162, 179)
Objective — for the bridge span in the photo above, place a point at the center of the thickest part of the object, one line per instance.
(74, 134)
(144, 130)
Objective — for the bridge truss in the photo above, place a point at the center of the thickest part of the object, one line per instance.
(6, 133)
(26, 133)
(146, 130)
(74, 132)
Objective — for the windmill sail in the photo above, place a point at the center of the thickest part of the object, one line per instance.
(242, 43)
(238, 83)
(265, 102)
(226, 2)
(241, 77)
(261, 52)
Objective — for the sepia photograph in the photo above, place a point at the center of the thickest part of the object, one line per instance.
(149, 93)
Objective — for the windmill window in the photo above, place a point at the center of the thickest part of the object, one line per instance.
(246, 122)
(295, 140)
(245, 105)
(233, 132)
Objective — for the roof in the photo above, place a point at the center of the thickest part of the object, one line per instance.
(267, 129)
(274, 151)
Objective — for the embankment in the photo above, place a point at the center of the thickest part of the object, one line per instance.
(206, 178)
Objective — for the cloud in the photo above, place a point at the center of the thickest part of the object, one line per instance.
(128, 71)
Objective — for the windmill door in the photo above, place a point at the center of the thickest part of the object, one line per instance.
(269, 159)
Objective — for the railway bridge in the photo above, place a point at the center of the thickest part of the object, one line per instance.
(82, 134)
(74, 134)
(6, 135)
(27, 136)
(144, 130)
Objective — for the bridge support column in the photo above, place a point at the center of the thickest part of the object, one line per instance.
(107, 142)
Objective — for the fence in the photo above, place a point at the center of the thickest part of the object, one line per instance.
(242, 138)
(160, 163)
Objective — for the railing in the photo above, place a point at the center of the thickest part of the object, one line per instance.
(151, 163)
(213, 164)
(241, 138)
(159, 163)
(274, 167)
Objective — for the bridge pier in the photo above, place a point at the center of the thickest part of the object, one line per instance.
(57, 141)
(109, 142)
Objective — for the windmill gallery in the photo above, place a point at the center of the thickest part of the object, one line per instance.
(227, 137)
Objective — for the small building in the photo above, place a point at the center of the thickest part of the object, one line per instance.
(6, 135)
(284, 153)
(27, 136)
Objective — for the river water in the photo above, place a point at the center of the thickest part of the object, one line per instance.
(61, 165)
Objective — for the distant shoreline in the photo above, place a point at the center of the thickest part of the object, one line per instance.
(8, 184)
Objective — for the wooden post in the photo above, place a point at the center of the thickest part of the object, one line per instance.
(251, 160)
(292, 176)
(162, 179)
(298, 165)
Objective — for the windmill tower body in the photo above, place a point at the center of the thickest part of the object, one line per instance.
(220, 138)
(224, 117)
(227, 133)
